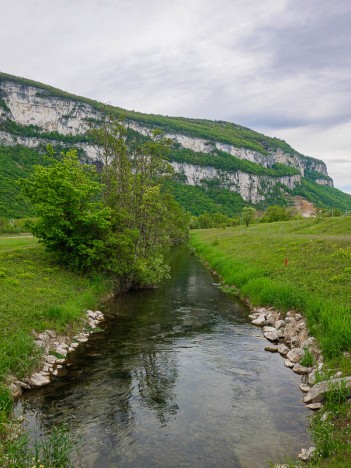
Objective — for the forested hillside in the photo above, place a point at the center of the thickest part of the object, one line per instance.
(218, 166)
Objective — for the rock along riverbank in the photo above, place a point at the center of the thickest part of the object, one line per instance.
(55, 349)
(290, 338)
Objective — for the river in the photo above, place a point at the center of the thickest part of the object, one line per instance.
(178, 378)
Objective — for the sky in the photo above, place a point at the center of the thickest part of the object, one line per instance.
(281, 67)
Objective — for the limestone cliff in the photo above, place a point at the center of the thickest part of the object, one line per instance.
(33, 115)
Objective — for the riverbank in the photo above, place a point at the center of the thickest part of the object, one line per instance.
(36, 295)
(302, 266)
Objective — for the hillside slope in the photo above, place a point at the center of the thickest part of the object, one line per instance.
(222, 165)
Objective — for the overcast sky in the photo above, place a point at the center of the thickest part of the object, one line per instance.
(282, 67)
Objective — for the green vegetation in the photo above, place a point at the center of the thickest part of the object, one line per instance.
(211, 198)
(279, 213)
(200, 199)
(307, 358)
(323, 196)
(16, 162)
(313, 175)
(71, 222)
(248, 215)
(121, 225)
(32, 286)
(228, 163)
(315, 281)
(36, 294)
(54, 451)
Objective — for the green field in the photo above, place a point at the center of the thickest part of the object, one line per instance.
(35, 295)
(316, 281)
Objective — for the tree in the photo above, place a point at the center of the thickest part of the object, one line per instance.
(121, 225)
(248, 215)
(72, 223)
(143, 221)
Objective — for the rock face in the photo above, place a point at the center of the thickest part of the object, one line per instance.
(27, 105)
(250, 186)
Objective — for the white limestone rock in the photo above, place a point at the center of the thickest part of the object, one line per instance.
(307, 454)
(304, 388)
(301, 370)
(51, 359)
(280, 324)
(318, 391)
(38, 380)
(314, 406)
(295, 355)
(283, 349)
(288, 363)
(260, 321)
(271, 334)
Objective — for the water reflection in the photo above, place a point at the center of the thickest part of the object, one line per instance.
(178, 378)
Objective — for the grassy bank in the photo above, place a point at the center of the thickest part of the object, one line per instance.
(315, 281)
(35, 295)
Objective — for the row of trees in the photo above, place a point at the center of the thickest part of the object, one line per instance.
(118, 220)
(247, 216)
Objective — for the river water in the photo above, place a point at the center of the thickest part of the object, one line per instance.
(178, 378)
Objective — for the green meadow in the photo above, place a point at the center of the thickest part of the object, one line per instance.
(316, 279)
(35, 294)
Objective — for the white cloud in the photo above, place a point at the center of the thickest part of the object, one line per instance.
(278, 65)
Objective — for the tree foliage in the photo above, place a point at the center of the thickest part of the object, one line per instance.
(121, 224)
(145, 219)
(248, 215)
(72, 223)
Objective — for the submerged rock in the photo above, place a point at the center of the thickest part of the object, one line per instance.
(271, 349)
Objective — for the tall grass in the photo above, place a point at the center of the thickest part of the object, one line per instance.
(54, 451)
(252, 260)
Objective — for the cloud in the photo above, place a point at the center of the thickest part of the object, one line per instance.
(279, 66)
